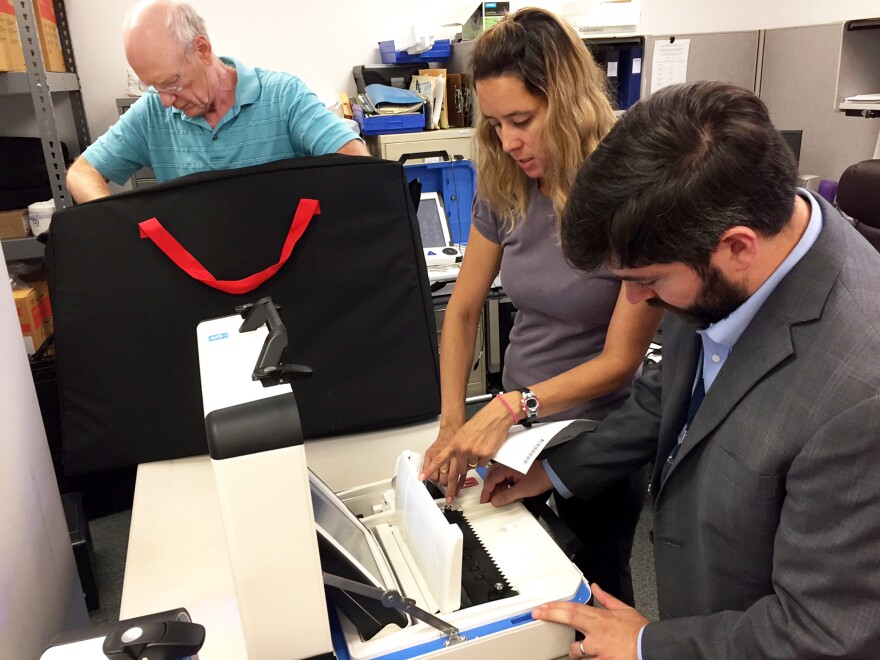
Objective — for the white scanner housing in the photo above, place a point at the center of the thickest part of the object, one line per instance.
(265, 492)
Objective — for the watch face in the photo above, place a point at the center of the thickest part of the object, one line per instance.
(532, 404)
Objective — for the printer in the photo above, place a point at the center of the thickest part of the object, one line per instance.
(381, 570)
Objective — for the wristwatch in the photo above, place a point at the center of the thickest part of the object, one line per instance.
(530, 406)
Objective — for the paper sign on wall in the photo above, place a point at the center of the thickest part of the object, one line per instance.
(670, 63)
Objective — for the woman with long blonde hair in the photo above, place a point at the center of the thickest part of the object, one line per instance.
(576, 342)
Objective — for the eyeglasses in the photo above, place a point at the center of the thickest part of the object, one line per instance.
(173, 89)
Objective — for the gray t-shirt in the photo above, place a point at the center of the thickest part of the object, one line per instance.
(563, 314)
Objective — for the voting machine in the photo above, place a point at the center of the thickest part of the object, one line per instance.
(382, 570)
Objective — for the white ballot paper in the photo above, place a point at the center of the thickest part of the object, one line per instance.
(523, 445)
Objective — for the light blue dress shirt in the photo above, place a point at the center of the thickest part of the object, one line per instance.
(719, 338)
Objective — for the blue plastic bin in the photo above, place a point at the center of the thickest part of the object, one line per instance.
(439, 52)
(410, 122)
(456, 181)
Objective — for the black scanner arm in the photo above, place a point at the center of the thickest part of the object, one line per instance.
(269, 369)
(392, 598)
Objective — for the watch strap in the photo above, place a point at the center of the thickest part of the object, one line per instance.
(531, 404)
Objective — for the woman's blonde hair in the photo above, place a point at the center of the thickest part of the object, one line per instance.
(547, 55)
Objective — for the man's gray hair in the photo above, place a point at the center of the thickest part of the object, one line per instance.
(184, 23)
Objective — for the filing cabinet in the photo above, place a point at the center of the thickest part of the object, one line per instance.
(476, 384)
(454, 141)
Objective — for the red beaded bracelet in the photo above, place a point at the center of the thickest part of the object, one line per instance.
(509, 407)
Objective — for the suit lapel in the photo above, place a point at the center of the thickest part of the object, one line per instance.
(766, 342)
(764, 345)
(683, 339)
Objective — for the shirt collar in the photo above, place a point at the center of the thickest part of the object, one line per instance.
(247, 88)
(727, 331)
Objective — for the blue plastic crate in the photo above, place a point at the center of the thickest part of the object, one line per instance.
(456, 181)
(439, 52)
(411, 122)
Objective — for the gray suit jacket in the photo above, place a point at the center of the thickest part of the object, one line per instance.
(767, 528)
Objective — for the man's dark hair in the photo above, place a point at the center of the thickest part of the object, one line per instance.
(679, 168)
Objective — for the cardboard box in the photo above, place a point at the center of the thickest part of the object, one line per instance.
(485, 16)
(47, 25)
(34, 314)
(11, 52)
(11, 55)
(14, 224)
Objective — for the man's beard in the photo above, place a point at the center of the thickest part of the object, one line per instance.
(717, 299)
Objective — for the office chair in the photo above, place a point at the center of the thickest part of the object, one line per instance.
(858, 195)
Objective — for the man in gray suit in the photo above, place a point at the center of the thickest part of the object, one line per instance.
(766, 493)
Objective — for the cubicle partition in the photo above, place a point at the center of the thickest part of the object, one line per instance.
(728, 56)
(795, 72)
(799, 84)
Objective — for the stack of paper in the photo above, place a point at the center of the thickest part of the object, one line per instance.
(430, 84)
(864, 98)
(386, 100)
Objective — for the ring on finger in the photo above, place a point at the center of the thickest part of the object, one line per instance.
(444, 470)
(584, 654)
(474, 464)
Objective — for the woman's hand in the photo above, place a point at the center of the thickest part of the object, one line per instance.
(475, 443)
(440, 472)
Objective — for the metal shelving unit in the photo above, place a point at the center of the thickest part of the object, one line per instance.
(17, 82)
(41, 85)
(17, 249)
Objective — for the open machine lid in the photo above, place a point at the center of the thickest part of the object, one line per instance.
(348, 550)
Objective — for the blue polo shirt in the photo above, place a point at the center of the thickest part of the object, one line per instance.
(275, 116)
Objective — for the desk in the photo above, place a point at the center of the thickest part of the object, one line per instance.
(177, 547)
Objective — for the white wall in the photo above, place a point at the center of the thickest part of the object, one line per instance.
(320, 40)
(671, 16)
(40, 592)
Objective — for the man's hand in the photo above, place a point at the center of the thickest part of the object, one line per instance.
(611, 633)
(504, 485)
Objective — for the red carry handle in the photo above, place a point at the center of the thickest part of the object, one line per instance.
(154, 230)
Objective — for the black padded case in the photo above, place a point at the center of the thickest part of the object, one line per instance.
(354, 297)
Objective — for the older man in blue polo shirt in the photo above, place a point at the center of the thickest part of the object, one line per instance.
(202, 112)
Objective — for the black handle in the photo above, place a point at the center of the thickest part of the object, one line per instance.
(415, 191)
(163, 640)
(424, 154)
(40, 353)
